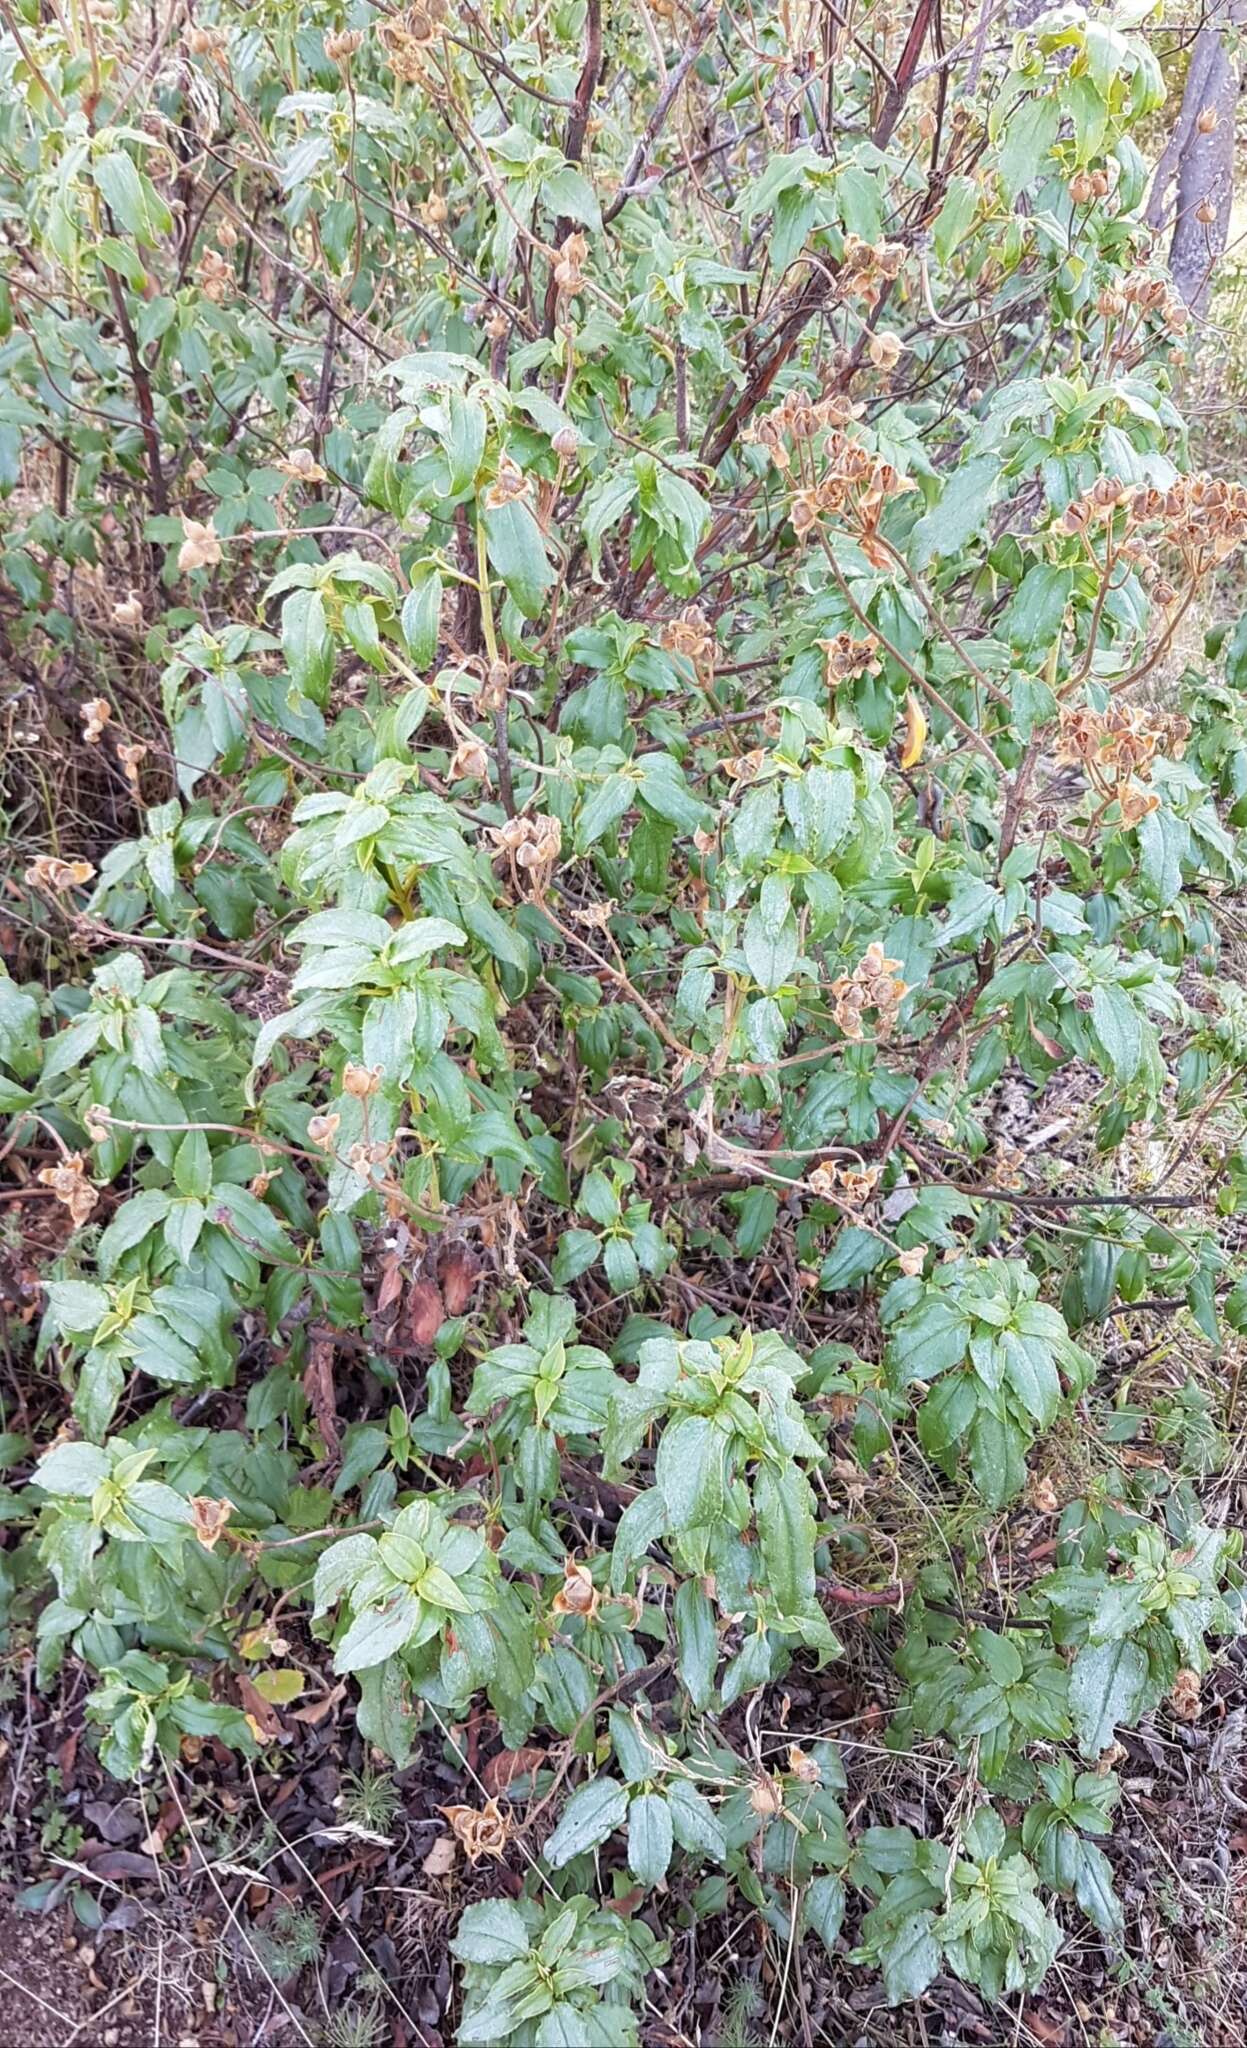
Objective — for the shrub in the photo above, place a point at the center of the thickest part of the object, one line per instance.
(594, 619)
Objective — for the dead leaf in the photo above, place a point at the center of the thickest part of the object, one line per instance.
(425, 1312)
(391, 1283)
(319, 1388)
(915, 732)
(1054, 1050)
(318, 1710)
(1047, 2028)
(503, 1769)
(627, 1905)
(167, 1823)
(265, 1723)
(458, 1274)
(440, 1860)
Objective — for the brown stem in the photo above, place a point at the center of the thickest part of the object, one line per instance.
(142, 394)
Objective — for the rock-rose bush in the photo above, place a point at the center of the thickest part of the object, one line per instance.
(606, 588)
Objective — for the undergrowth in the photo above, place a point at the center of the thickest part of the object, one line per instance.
(622, 1067)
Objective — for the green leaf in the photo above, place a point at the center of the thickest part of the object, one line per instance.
(961, 512)
(192, 1166)
(689, 1470)
(650, 1838)
(620, 1262)
(307, 644)
(421, 616)
(568, 192)
(75, 1305)
(591, 1814)
(1119, 1030)
(664, 789)
(928, 1341)
(782, 1504)
(148, 1500)
(518, 554)
(694, 1822)
(75, 1469)
(697, 1643)
(1032, 1374)
(1106, 1687)
(576, 1253)
(1093, 1889)
(377, 1633)
(464, 440)
(1163, 842)
(492, 1931)
(824, 1909)
(996, 1458)
(1033, 620)
(755, 1220)
(955, 217)
(130, 197)
(910, 1960)
(281, 1688)
(771, 950)
(101, 1382)
(607, 804)
(1029, 133)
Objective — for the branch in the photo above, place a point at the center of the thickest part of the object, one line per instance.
(701, 30)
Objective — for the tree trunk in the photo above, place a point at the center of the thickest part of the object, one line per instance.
(1202, 163)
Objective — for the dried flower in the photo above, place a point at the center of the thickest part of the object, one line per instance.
(1117, 748)
(361, 1081)
(95, 714)
(765, 1797)
(97, 1123)
(47, 872)
(301, 465)
(846, 657)
(532, 845)
(201, 549)
(510, 483)
(483, 1833)
(1184, 1697)
(130, 757)
(204, 42)
(128, 611)
(68, 1182)
(691, 635)
(469, 762)
(569, 270)
(873, 985)
(911, 1262)
(216, 276)
(210, 1517)
(322, 1130)
(364, 1158)
(577, 1594)
(341, 45)
(1041, 1494)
